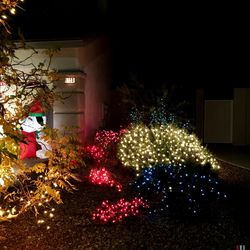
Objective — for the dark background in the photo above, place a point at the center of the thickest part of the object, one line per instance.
(198, 44)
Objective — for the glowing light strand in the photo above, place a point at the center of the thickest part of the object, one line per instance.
(103, 177)
(8, 7)
(144, 146)
(104, 147)
(159, 115)
(184, 189)
(95, 152)
(116, 212)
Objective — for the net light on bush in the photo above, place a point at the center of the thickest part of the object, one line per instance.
(116, 212)
(144, 146)
(103, 177)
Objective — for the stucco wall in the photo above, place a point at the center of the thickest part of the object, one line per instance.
(91, 57)
(95, 60)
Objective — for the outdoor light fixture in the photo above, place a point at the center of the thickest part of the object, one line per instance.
(70, 80)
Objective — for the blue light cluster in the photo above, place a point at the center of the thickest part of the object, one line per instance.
(161, 115)
(135, 116)
(171, 188)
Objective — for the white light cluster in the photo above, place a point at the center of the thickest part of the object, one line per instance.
(144, 146)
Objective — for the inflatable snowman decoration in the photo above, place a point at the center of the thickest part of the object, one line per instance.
(32, 127)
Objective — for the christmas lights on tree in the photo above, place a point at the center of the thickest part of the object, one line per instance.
(106, 138)
(183, 189)
(136, 116)
(101, 176)
(96, 153)
(104, 147)
(47, 182)
(8, 7)
(116, 212)
(144, 146)
(35, 187)
(161, 114)
(7, 170)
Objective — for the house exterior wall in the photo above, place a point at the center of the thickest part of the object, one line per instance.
(91, 94)
(95, 59)
(70, 111)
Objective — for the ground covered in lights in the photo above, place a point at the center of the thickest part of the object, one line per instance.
(72, 226)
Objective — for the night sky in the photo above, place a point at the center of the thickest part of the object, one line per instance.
(159, 41)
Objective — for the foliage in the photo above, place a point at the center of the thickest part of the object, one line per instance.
(143, 103)
(185, 189)
(174, 173)
(23, 82)
(101, 176)
(36, 186)
(116, 212)
(160, 114)
(8, 7)
(142, 146)
(103, 149)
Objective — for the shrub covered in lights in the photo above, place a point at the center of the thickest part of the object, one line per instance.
(101, 176)
(23, 81)
(35, 187)
(178, 189)
(7, 8)
(116, 212)
(144, 146)
(103, 150)
(162, 113)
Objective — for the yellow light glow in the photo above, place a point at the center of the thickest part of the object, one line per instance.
(161, 144)
(70, 80)
(2, 212)
(13, 11)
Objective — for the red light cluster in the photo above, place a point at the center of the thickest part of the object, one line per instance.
(96, 152)
(101, 176)
(109, 212)
(104, 146)
(106, 138)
